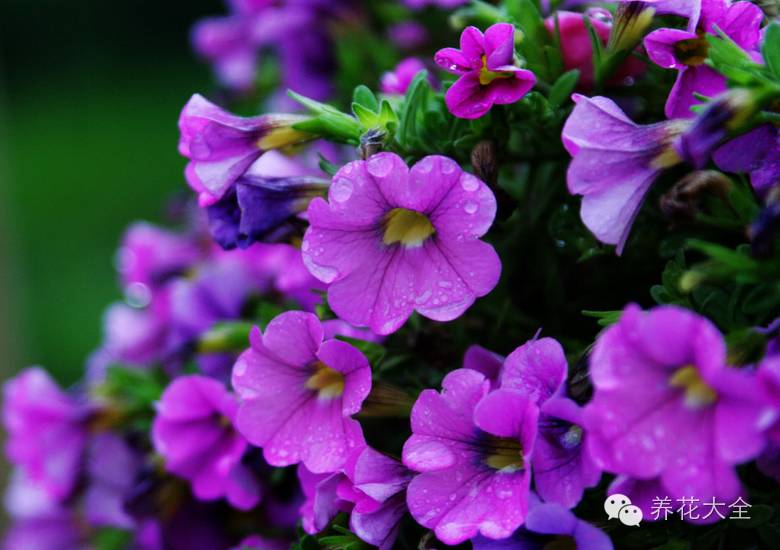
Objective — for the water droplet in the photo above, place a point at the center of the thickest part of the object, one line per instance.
(380, 165)
(425, 165)
(470, 207)
(469, 182)
(138, 295)
(341, 189)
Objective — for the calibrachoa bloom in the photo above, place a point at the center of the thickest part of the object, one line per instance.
(666, 405)
(222, 146)
(47, 431)
(614, 163)
(488, 74)
(398, 80)
(686, 50)
(473, 449)
(194, 431)
(392, 240)
(298, 393)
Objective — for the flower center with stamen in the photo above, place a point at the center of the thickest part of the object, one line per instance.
(407, 227)
(561, 542)
(504, 453)
(327, 382)
(486, 76)
(691, 52)
(697, 392)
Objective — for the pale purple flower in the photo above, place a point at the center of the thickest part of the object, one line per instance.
(473, 450)
(46, 430)
(408, 35)
(222, 146)
(397, 81)
(686, 50)
(226, 42)
(194, 432)
(393, 240)
(667, 406)
(136, 336)
(614, 163)
(298, 393)
(756, 152)
(321, 498)
(488, 74)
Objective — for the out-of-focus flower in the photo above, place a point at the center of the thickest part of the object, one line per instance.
(298, 393)
(194, 432)
(391, 241)
(221, 146)
(136, 336)
(756, 152)
(446, 4)
(686, 50)
(226, 42)
(46, 431)
(614, 163)
(398, 80)
(666, 405)
(487, 69)
(473, 450)
(548, 525)
(408, 35)
(256, 542)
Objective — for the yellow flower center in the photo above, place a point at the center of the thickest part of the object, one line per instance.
(504, 453)
(697, 392)
(407, 227)
(327, 382)
(486, 76)
(691, 52)
(281, 137)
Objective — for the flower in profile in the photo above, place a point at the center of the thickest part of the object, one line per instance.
(392, 240)
(757, 153)
(686, 50)
(47, 431)
(666, 405)
(549, 526)
(487, 69)
(298, 393)
(614, 163)
(473, 450)
(398, 80)
(222, 146)
(194, 432)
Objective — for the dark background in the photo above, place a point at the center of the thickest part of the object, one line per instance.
(90, 93)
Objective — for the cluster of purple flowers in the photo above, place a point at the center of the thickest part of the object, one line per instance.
(233, 396)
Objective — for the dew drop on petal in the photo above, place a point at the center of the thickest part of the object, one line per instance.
(470, 207)
(341, 190)
(469, 183)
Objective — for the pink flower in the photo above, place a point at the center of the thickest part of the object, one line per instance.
(488, 72)
(398, 80)
(298, 393)
(390, 241)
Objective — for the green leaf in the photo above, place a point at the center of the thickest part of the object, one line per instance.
(366, 116)
(415, 97)
(771, 49)
(726, 57)
(605, 318)
(563, 87)
(226, 337)
(365, 97)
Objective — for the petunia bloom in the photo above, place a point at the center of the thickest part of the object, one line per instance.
(47, 431)
(666, 405)
(398, 80)
(686, 50)
(488, 74)
(298, 393)
(392, 240)
(221, 146)
(473, 449)
(194, 432)
(614, 163)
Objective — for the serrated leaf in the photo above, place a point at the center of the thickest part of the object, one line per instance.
(563, 87)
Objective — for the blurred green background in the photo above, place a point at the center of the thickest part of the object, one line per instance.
(90, 92)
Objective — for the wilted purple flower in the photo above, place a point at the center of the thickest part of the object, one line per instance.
(686, 50)
(46, 431)
(398, 80)
(194, 431)
(614, 163)
(667, 406)
(391, 241)
(473, 450)
(549, 526)
(221, 146)
(756, 152)
(488, 74)
(298, 393)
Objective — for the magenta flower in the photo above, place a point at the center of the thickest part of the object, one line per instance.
(391, 241)
(686, 50)
(667, 406)
(473, 450)
(446, 4)
(614, 163)
(488, 74)
(298, 393)
(194, 431)
(398, 80)
(485, 361)
(112, 467)
(221, 146)
(46, 431)
(226, 42)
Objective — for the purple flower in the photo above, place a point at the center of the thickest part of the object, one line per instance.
(298, 393)
(391, 241)
(547, 526)
(398, 80)
(667, 406)
(133, 335)
(221, 146)
(485, 361)
(46, 431)
(488, 74)
(614, 163)
(445, 4)
(686, 50)
(322, 499)
(408, 35)
(473, 451)
(226, 42)
(194, 431)
(756, 152)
